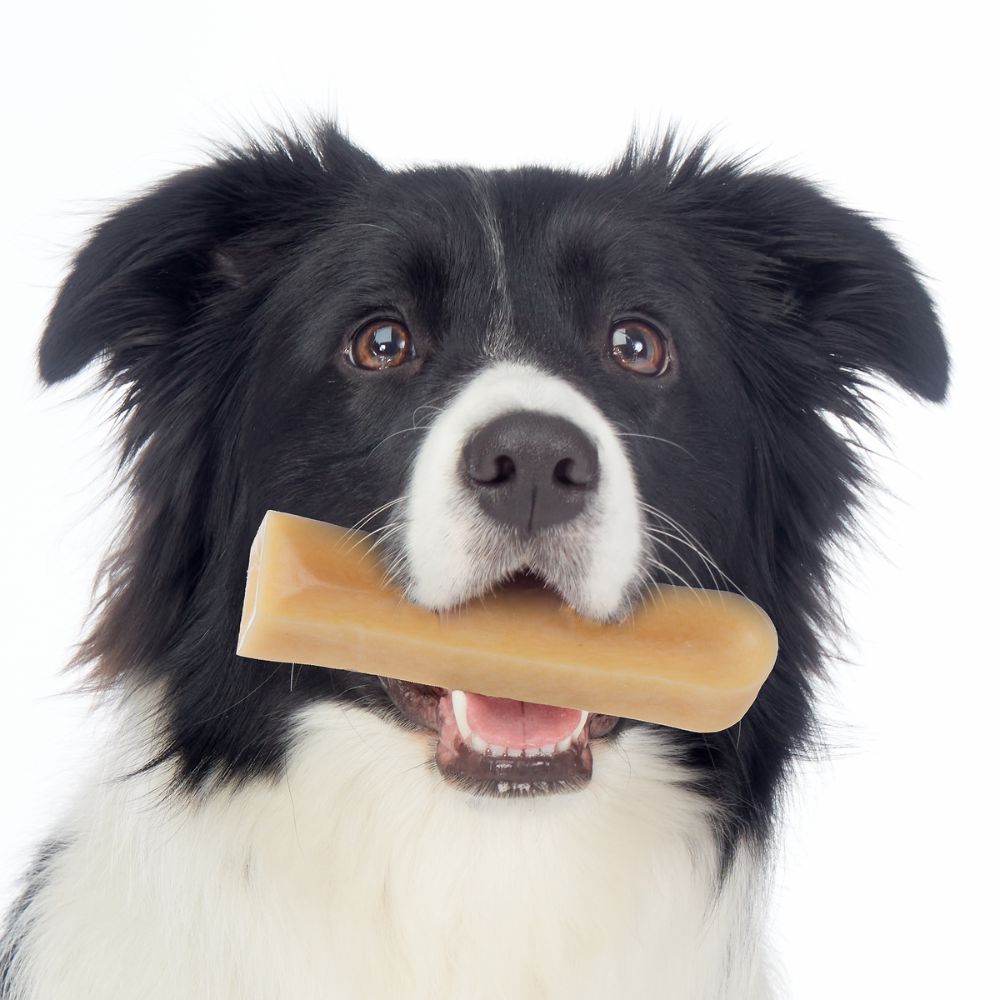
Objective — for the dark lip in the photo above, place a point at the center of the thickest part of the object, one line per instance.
(417, 702)
(485, 774)
(507, 777)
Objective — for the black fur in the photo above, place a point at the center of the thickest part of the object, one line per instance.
(220, 302)
(15, 925)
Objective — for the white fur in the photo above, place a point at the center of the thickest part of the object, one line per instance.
(501, 321)
(454, 553)
(359, 873)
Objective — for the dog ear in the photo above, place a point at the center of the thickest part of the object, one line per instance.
(855, 305)
(139, 282)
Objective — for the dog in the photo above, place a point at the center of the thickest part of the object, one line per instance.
(651, 374)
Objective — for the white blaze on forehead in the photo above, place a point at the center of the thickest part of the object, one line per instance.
(501, 310)
(454, 551)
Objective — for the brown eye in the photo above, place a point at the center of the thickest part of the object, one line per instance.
(382, 344)
(640, 349)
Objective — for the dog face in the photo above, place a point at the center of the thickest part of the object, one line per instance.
(596, 382)
(505, 303)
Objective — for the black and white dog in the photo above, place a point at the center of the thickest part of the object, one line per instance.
(648, 374)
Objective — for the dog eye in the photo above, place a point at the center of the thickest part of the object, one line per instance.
(382, 344)
(640, 348)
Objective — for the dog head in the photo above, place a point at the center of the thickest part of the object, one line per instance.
(598, 380)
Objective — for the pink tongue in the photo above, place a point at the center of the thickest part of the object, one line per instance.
(508, 723)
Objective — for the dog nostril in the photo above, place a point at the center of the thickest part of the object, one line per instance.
(503, 470)
(495, 472)
(570, 472)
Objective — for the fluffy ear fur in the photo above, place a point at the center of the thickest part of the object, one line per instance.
(854, 303)
(137, 286)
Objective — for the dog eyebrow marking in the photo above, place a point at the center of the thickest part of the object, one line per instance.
(501, 310)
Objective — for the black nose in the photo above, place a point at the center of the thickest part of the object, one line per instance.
(531, 470)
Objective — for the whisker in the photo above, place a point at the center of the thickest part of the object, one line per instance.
(414, 426)
(390, 576)
(389, 573)
(378, 510)
(673, 523)
(679, 576)
(367, 536)
(388, 437)
(385, 532)
(651, 590)
(674, 553)
(653, 437)
(651, 532)
(694, 543)
(425, 406)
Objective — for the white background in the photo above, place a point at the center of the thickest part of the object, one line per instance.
(886, 887)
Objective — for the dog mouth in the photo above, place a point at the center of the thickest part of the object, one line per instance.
(500, 746)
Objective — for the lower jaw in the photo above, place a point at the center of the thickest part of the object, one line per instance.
(483, 774)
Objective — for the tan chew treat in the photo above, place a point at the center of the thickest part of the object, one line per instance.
(692, 659)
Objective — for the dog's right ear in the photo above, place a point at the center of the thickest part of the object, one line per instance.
(138, 283)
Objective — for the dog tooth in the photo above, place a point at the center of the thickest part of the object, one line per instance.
(459, 705)
(563, 745)
(497, 751)
(584, 716)
(548, 750)
(532, 751)
(477, 744)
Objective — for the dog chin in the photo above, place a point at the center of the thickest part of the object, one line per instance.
(442, 598)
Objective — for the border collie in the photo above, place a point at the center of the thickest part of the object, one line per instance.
(649, 374)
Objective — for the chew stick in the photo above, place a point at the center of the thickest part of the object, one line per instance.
(692, 659)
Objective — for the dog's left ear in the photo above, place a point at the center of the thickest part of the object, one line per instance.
(143, 279)
(854, 301)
